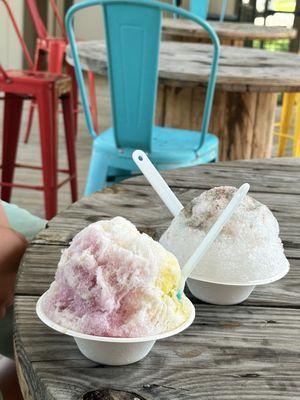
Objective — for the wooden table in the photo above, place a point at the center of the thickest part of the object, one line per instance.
(245, 100)
(250, 351)
(230, 33)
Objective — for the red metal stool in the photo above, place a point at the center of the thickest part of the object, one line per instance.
(45, 89)
(51, 52)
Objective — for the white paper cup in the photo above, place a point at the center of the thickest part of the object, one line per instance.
(220, 294)
(226, 293)
(110, 350)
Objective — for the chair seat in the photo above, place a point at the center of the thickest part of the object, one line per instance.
(171, 148)
(29, 83)
(35, 76)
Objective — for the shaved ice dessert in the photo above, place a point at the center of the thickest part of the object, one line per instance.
(114, 281)
(248, 249)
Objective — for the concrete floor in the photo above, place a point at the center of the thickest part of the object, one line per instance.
(30, 153)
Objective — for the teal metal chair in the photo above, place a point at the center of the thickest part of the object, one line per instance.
(200, 8)
(133, 30)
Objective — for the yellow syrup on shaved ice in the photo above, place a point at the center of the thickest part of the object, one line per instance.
(115, 281)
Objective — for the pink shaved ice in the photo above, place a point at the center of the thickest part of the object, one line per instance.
(114, 281)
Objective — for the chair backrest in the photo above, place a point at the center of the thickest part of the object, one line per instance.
(201, 7)
(133, 29)
(58, 17)
(19, 35)
(38, 23)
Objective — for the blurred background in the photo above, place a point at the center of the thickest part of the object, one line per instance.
(284, 13)
(261, 12)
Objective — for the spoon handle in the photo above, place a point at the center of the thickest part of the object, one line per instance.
(157, 182)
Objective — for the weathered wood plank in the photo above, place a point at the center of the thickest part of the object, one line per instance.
(131, 201)
(242, 121)
(269, 176)
(236, 118)
(263, 128)
(36, 275)
(240, 69)
(225, 30)
(247, 83)
(225, 354)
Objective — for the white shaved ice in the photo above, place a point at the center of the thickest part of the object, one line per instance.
(248, 248)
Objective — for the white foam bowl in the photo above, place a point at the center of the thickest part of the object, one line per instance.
(110, 350)
(226, 293)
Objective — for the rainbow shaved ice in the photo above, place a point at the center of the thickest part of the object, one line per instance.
(114, 281)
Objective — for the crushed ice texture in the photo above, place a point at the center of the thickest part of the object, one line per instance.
(248, 248)
(106, 283)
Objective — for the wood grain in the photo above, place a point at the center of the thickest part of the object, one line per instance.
(245, 99)
(242, 121)
(276, 175)
(228, 353)
(182, 64)
(35, 278)
(225, 30)
(22, 381)
(250, 351)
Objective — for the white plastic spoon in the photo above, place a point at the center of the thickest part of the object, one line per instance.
(211, 236)
(157, 182)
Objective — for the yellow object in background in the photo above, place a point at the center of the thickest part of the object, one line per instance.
(290, 107)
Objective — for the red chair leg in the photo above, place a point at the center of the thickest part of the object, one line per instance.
(47, 105)
(67, 106)
(11, 129)
(93, 100)
(38, 61)
(71, 72)
(29, 120)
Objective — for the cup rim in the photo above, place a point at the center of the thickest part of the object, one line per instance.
(265, 281)
(47, 321)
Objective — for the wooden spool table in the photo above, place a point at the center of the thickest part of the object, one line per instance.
(250, 351)
(229, 33)
(245, 99)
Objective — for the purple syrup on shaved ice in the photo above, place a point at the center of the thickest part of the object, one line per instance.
(114, 281)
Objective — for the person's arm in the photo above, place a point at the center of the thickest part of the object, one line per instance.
(16, 227)
(12, 247)
(3, 217)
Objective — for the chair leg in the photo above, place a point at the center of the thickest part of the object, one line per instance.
(47, 105)
(296, 146)
(93, 100)
(29, 121)
(285, 121)
(11, 129)
(70, 143)
(97, 174)
(38, 61)
(71, 72)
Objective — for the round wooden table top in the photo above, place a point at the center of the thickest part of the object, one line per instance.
(240, 69)
(230, 352)
(227, 30)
